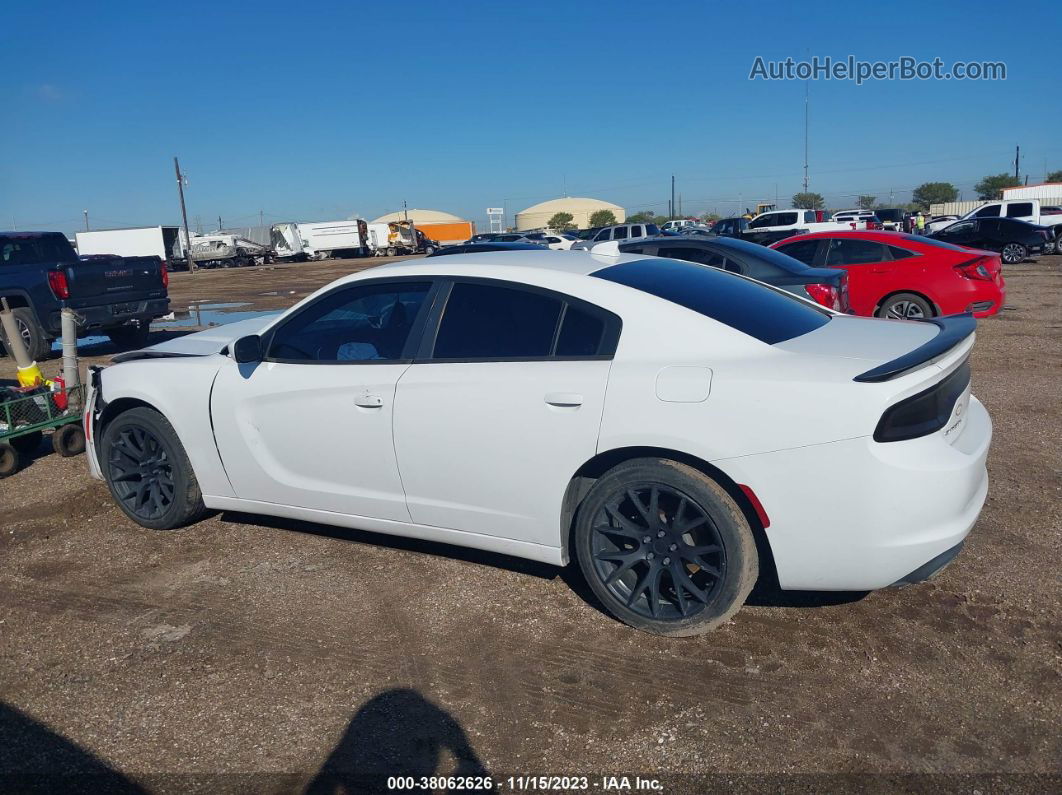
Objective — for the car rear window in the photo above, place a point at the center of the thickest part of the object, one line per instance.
(35, 249)
(769, 315)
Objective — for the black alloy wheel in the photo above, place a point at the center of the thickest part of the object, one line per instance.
(658, 552)
(141, 473)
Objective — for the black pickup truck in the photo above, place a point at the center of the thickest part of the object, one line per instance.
(118, 296)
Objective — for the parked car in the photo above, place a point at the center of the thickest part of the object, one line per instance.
(502, 237)
(730, 227)
(1029, 210)
(558, 241)
(678, 224)
(897, 275)
(650, 418)
(1014, 240)
(480, 248)
(617, 232)
(118, 296)
(938, 222)
(822, 285)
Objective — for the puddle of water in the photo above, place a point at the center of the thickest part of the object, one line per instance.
(202, 316)
(84, 342)
(231, 305)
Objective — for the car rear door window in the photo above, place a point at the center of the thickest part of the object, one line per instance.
(364, 323)
(803, 250)
(900, 253)
(581, 333)
(1019, 210)
(850, 251)
(492, 322)
(619, 233)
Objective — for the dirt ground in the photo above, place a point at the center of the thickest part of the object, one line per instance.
(264, 655)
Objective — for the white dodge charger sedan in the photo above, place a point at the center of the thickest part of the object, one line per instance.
(676, 429)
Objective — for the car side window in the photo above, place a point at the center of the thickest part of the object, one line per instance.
(988, 211)
(499, 322)
(768, 219)
(1019, 210)
(850, 251)
(960, 228)
(636, 231)
(900, 253)
(365, 323)
(619, 233)
(603, 234)
(803, 250)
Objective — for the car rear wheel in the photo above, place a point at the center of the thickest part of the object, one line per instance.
(10, 459)
(665, 548)
(905, 306)
(1013, 253)
(148, 471)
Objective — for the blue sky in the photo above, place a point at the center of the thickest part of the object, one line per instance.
(316, 111)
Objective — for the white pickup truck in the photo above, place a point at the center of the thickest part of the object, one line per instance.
(768, 227)
(1022, 209)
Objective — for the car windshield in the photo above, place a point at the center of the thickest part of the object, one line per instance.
(765, 313)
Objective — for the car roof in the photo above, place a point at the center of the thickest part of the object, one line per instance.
(882, 236)
(496, 263)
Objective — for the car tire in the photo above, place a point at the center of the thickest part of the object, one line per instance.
(38, 345)
(27, 444)
(148, 472)
(905, 306)
(429, 250)
(391, 251)
(10, 459)
(1013, 253)
(69, 440)
(696, 568)
(132, 335)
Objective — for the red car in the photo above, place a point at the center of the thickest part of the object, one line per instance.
(893, 274)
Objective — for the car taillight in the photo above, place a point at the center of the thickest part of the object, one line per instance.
(924, 413)
(164, 272)
(58, 284)
(975, 270)
(825, 294)
(873, 225)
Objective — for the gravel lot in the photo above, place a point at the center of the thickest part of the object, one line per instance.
(264, 655)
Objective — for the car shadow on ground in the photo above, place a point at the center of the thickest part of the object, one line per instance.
(397, 733)
(765, 594)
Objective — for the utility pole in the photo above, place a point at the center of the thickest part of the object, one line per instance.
(220, 227)
(261, 219)
(86, 219)
(671, 211)
(184, 216)
(806, 99)
(405, 209)
(1017, 161)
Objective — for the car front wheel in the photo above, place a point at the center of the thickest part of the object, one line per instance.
(1013, 253)
(148, 471)
(665, 548)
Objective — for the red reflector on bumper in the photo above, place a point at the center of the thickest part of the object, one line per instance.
(756, 505)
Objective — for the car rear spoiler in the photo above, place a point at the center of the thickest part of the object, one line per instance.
(953, 330)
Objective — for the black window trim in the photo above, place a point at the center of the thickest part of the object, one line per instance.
(416, 330)
(609, 340)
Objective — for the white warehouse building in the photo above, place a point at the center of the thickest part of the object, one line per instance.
(537, 216)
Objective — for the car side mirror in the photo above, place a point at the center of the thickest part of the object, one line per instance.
(247, 349)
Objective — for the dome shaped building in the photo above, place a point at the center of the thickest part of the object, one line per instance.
(538, 215)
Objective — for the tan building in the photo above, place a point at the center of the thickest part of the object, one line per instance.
(538, 215)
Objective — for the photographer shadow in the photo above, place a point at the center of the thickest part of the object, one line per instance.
(397, 733)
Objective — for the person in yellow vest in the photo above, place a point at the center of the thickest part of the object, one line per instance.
(920, 222)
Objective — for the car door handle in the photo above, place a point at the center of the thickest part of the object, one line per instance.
(564, 399)
(368, 401)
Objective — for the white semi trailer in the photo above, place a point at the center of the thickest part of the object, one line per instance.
(318, 239)
(143, 241)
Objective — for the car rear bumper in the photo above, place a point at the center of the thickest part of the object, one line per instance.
(93, 318)
(859, 514)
